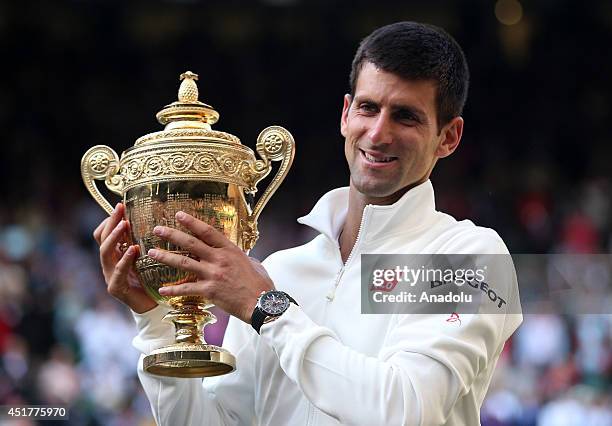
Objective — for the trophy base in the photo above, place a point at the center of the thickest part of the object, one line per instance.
(188, 360)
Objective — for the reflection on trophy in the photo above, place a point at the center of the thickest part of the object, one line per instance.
(203, 172)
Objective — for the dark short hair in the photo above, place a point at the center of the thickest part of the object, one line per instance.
(415, 51)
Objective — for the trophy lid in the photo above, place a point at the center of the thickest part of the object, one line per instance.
(187, 118)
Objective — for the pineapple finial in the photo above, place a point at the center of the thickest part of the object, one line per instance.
(188, 92)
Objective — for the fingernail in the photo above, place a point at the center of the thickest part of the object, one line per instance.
(116, 207)
(130, 251)
(121, 225)
(180, 215)
(158, 230)
(162, 290)
(152, 253)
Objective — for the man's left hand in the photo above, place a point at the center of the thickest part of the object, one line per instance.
(225, 274)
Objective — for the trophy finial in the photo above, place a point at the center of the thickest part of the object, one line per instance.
(188, 92)
(188, 112)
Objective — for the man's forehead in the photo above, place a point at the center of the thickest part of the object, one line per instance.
(375, 84)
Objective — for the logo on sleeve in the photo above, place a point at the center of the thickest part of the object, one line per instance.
(454, 317)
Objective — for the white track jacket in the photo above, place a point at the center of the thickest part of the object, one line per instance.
(323, 362)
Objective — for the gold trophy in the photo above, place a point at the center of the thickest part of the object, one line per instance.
(206, 173)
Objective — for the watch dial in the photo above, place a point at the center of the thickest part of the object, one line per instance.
(274, 303)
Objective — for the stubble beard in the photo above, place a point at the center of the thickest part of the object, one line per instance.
(374, 187)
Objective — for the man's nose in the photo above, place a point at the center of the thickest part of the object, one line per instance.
(380, 132)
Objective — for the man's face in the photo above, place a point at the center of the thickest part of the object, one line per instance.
(391, 134)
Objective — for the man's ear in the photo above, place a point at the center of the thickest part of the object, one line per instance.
(345, 110)
(450, 137)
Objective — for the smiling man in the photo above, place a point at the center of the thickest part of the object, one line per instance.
(305, 353)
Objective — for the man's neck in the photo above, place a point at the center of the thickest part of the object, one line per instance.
(356, 205)
(350, 230)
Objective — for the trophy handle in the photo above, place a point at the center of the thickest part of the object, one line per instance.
(274, 143)
(101, 163)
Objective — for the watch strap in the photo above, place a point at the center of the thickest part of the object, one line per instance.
(257, 319)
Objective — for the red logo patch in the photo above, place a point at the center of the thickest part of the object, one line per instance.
(386, 286)
(454, 317)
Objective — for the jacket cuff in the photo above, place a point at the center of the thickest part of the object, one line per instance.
(290, 336)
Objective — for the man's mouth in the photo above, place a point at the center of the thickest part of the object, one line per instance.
(374, 157)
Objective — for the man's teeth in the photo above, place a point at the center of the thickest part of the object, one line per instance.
(377, 160)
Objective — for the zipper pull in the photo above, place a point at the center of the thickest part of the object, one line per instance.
(330, 296)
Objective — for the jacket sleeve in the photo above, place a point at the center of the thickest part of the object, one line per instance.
(221, 400)
(424, 367)
(416, 379)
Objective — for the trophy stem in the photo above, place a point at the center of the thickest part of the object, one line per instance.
(189, 355)
(189, 321)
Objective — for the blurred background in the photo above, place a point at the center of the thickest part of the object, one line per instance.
(533, 164)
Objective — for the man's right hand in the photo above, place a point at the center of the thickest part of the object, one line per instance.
(117, 266)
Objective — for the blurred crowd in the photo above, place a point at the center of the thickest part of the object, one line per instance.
(533, 165)
(63, 341)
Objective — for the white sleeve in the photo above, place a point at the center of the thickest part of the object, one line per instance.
(425, 365)
(221, 400)
(416, 379)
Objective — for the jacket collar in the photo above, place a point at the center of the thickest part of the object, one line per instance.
(411, 211)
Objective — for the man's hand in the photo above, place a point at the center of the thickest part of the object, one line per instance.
(225, 274)
(117, 267)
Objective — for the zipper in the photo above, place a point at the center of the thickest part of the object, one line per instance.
(332, 294)
(309, 418)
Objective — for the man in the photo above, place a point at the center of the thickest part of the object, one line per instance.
(319, 361)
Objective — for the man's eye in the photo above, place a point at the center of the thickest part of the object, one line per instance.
(367, 107)
(408, 118)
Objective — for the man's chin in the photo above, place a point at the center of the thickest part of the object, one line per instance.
(374, 189)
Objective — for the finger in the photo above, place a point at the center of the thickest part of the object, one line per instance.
(203, 231)
(176, 260)
(118, 283)
(183, 240)
(114, 219)
(127, 232)
(97, 233)
(133, 279)
(107, 248)
(186, 289)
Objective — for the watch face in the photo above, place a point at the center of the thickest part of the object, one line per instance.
(274, 303)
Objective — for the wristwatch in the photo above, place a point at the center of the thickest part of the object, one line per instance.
(270, 305)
